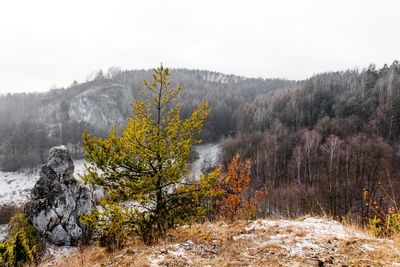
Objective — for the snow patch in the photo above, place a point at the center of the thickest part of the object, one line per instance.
(156, 261)
(3, 231)
(368, 247)
(243, 236)
(312, 227)
(57, 252)
(208, 155)
(304, 245)
(279, 237)
(15, 187)
(176, 251)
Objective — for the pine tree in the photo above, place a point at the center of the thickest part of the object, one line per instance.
(147, 162)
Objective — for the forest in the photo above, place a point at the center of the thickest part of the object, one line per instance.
(329, 147)
(31, 123)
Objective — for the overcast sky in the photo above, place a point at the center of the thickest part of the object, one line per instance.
(54, 42)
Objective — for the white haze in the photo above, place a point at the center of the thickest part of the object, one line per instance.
(53, 42)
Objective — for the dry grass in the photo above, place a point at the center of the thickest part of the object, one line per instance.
(261, 243)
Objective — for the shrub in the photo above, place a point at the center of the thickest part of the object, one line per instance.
(236, 202)
(22, 244)
(385, 226)
(110, 224)
(386, 218)
(144, 226)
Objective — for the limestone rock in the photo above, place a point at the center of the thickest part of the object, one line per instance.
(57, 201)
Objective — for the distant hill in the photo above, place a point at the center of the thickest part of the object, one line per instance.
(30, 123)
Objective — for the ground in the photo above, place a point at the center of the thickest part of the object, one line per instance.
(303, 242)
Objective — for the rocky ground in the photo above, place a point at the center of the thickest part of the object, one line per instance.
(303, 242)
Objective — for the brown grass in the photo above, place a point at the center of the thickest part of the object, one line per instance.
(218, 244)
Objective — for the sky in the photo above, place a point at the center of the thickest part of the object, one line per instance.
(51, 43)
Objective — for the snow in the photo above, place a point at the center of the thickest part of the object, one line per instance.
(156, 261)
(314, 227)
(208, 154)
(304, 237)
(304, 245)
(15, 187)
(79, 168)
(176, 250)
(368, 247)
(3, 231)
(278, 237)
(56, 251)
(243, 236)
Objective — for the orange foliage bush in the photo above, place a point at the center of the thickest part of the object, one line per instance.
(236, 202)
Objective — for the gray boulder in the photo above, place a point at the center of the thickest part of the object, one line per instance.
(57, 201)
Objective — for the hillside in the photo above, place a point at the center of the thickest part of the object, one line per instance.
(330, 147)
(304, 242)
(31, 123)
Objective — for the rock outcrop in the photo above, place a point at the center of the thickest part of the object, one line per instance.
(57, 201)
